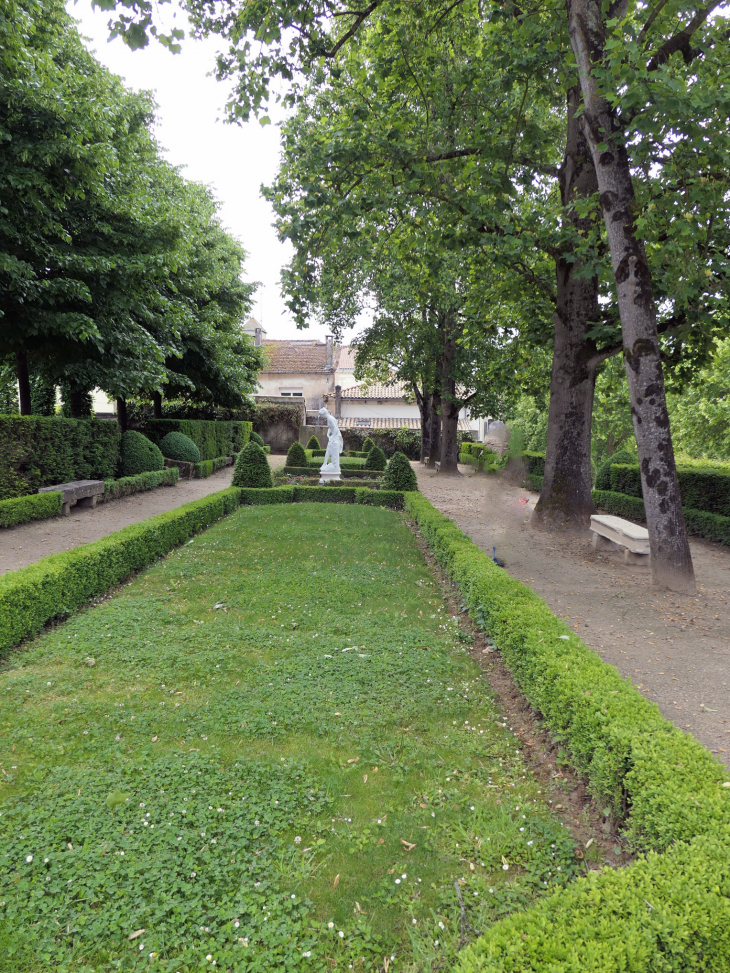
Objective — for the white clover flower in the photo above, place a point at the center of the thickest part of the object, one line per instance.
(441, 925)
(298, 840)
(209, 957)
(330, 925)
(29, 858)
(505, 867)
(307, 954)
(414, 921)
(397, 881)
(341, 934)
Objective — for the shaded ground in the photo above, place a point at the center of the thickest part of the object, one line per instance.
(674, 648)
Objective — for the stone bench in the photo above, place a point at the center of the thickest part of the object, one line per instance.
(615, 533)
(85, 493)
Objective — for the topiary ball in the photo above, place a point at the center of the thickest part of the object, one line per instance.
(296, 455)
(399, 474)
(603, 476)
(255, 438)
(178, 446)
(367, 445)
(376, 459)
(252, 468)
(138, 454)
(313, 443)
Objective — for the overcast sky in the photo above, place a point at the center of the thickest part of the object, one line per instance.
(235, 160)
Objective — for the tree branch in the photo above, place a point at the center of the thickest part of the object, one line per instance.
(681, 40)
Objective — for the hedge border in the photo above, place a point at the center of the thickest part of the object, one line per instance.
(394, 499)
(661, 782)
(344, 473)
(126, 486)
(36, 506)
(700, 523)
(57, 585)
(207, 467)
(705, 490)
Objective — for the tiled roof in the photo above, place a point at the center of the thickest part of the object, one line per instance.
(347, 358)
(377, 390)
(298, 357)
(353, 422)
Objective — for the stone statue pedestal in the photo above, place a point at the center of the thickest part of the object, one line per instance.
(329, 476)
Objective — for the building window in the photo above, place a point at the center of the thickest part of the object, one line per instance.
(294, 393)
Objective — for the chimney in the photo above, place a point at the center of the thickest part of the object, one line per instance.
(257, 337)
(338, 401)
(329, 356)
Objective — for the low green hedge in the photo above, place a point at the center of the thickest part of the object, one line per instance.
(37, 506)
(659, 782)
(324, 494)
(207, 467)
(700, 523)
(345, 464)
(128, 485)
(212, 437)
(344, 473)
(707, 490)
(61, 583)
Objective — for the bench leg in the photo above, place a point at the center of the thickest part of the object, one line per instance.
(631, 557)
(66, 509)
(601, 543)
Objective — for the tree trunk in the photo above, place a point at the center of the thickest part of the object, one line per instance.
(434, 430)
(78, 404)
(449, 408)
(423, 399)
(671, 560)
(565, 496)
(122, 418)
(157, 405)
(21, 364)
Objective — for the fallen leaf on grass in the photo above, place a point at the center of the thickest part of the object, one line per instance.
(136, 934)
(353, 760)
(381, 841)
(155, 739)
(408, 845)
(336, 881)
(365, 779)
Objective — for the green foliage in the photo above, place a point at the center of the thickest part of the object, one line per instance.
(603, 476)
(700, 523)
(43, 396)
(137, 454)
(479, 456)
(367, 445)
(636, 762)
(295, 455)
(8, 388)
(252, 497)
(38, 451)
(701, 414)
(375, 460)
(701, 489)
(129, 485)
(399, 474)
(212, 438)
(37, 506)
(313, 442)
(207, 467)
(257, 439)
(620, 505)
(346, 463)
(61, 583)
(345, 472)
(381, 498)
(176, 445)
(252, 468)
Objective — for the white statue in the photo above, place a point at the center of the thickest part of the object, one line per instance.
(330, 469)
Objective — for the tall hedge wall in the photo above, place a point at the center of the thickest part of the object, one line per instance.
(38, 451)
(700, 489)
(212, 438)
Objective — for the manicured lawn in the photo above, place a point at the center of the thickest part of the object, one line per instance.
(271, 751)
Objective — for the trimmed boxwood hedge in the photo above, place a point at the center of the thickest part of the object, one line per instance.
(346, 474)
(346, 463)
(254, 496)
(213, 438)
(38, 506)
(138, 454)
(711, 527)
(324, 494)
(176, 445)
(375, 459)
(256, 438)
(252, 468)
(295, 455)
(399, 474)
(61, 583)
(660, 782)
(128, 485)
(39, 451)
(700, 489)
(207, 467)
(313, 443)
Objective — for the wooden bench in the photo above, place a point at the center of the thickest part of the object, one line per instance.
(85, 493)
(615, 533)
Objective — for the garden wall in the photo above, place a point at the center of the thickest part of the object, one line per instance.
(38, 451)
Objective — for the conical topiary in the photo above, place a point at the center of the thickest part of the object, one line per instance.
(296, 455)
(177, 445)
(376, 459)
(255, 438)
(313, 443)
(252, 468)
(399, 474)
(367, 445)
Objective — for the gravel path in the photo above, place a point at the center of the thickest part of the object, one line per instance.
(674, 648)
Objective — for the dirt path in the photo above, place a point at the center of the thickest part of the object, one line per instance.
(674, 648)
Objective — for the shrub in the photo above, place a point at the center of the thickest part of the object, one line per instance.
(375, 460)
(250, 496)
(700, 489)
(212, 438)
(38, 506)
(329, 494)
(138, 454)
(700, 523)
(313, 442)
(367, 445)
(603, 476)
(206, 467)
(296, 455)
(399, 474)
(252, 468)
(128, 485)
(345, 473)
(61, 583)
(38, 451)
(380, 498)
(176, 445)
(255, 438)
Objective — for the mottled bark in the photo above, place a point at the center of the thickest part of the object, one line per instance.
(565, 496)
(157, 405)
(670, 554)
(122, 418)
(449, 407)
(434, 430)
(21, 367)
(423, 399)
